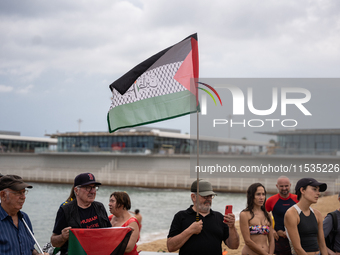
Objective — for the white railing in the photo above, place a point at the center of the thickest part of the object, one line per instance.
(180, 180)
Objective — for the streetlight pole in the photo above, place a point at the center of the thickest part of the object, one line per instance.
(79, 122)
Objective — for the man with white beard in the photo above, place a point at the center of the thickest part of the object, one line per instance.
(205, 235)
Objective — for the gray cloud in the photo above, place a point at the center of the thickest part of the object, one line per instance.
(64, 54)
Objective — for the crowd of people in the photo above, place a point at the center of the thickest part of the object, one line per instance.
(80, 210)
(282, 224)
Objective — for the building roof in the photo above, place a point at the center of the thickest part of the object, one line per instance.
(304, 132)
(166, 133)
(121, 132)
(51, 141)
(9, 132)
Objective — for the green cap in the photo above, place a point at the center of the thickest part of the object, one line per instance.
(205, 188)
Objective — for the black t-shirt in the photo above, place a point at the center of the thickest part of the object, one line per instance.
(88, 219)
(209, 240)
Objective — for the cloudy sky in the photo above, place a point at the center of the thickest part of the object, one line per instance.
(59, 57)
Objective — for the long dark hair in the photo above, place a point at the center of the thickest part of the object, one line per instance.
(72, 195)
(250, 201)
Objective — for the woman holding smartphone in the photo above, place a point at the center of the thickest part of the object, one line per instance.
(255, 223)
(304, 226)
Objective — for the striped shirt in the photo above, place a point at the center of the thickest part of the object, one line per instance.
(13, 240)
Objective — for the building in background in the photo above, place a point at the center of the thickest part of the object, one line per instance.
(160, 158)
(307, 141)
(13, 142)
(152, 141)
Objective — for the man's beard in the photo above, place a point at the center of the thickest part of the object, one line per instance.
(284, 193)
(205, 207)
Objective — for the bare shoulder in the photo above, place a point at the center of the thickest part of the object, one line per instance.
(291, 216)
(318, 214)
(291, 211)
(244, 215)
(133, 224)
(316, 211)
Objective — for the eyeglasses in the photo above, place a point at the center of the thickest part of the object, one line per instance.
(19, 193)
(208, 197)
(89, 188)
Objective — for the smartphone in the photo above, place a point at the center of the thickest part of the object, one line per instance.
(228, 209)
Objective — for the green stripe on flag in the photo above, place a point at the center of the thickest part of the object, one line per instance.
(74, 247)
(151, 110)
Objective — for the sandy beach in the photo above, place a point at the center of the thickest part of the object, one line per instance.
(324, 205)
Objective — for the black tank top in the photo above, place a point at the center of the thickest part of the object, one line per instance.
(308, 231)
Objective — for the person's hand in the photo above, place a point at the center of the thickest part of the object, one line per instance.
(330, 252)
(65, 233)
(276, 236)
(229, 219)
(196, 227)
(282, 233)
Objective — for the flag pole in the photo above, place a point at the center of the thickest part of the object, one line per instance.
(197, 139)
(35, 240)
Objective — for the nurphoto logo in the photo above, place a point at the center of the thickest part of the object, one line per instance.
(294, 98)
(204, 97)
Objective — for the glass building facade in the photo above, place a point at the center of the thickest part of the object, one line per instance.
(308, 141)
(129, 143)
(9, 145)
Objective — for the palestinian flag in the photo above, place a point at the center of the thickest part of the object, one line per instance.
(103, 241)
(160, 88)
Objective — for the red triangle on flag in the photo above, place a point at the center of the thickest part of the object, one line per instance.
(189, 69)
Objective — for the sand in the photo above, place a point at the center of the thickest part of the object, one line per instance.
(324, 205)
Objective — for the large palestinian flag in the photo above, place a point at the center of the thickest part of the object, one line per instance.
(95, 241)
(160, 88)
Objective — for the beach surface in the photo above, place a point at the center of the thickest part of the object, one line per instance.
(324, 205)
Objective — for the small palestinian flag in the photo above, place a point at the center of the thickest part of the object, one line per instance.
(160, 88)
(103, 241)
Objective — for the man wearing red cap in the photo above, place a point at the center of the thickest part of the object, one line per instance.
(82, 212)
(15, 238)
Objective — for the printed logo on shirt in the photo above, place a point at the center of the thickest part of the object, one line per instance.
(90, 222)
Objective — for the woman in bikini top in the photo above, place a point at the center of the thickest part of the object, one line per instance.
(255, 223)
(259, 230)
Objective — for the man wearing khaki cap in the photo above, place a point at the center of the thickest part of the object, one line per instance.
(206, 235)
(14, 236)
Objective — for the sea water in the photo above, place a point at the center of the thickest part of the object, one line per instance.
(157, 206)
